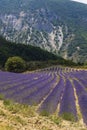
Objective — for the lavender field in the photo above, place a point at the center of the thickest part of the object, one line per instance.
(53, 90)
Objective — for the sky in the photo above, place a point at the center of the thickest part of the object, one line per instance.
(81, 1)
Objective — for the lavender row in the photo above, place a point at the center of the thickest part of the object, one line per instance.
(84, 83)
(67, 105)
(27, 90)
(18, 85)
(36, 97)
(18, 78)
(51, 103)
(82, 98)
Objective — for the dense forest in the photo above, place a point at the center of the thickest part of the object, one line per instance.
(32, 55)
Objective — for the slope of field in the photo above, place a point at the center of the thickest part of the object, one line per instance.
(58, 93)
(20, 117)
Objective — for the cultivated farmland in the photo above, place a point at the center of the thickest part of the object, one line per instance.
(53, 90)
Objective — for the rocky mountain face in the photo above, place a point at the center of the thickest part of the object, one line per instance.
(59, 26)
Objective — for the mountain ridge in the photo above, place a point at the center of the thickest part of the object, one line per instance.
(50, 24)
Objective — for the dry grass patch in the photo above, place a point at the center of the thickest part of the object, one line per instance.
(14, 116)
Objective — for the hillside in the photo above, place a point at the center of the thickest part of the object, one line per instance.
(58, 26)
(27, 52)
(19, 117)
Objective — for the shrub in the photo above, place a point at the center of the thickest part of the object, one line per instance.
(15, 64)
(85, 64)
(68, 117)
(1, 97)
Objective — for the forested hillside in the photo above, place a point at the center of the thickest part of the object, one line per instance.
(28, 53)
